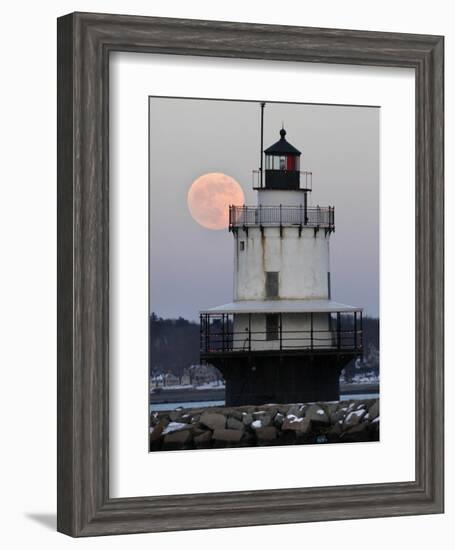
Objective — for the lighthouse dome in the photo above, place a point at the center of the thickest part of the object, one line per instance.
(282, 147)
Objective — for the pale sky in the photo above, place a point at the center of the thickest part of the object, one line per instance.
(192, 267)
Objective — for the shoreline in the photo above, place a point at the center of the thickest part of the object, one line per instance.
(193, 395)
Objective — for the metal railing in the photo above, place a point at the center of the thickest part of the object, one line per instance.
(218, 337)
(279, 216)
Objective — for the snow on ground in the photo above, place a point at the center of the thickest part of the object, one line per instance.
(294, 418)
(176, 387)
(174, 427)
(368, 378)
(359, 412)
(207, 386)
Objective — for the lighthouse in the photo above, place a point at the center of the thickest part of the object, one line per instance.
(282, 339)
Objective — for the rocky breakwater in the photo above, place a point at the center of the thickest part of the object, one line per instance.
(219, 427)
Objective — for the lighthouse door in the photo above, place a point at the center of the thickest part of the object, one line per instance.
(271, 284)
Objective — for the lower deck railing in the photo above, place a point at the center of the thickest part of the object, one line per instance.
(217, 336)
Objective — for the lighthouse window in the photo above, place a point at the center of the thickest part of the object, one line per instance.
(274, 162)
(271, 284)
(271, 326)
(242, 245)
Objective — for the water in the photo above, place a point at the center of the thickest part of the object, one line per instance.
(359, 396)
(199, 404)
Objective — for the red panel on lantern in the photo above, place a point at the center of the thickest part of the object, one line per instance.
(290, 164)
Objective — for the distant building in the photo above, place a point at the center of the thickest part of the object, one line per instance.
(163, 380)
(185, 379)
(202, 374)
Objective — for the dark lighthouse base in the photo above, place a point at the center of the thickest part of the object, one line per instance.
(288, 379)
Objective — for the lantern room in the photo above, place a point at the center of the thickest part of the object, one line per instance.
(282, 165)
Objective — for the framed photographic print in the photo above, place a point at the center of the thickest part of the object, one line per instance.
(250, 259)
(283, 362)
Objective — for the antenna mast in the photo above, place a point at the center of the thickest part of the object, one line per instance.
(262, 144)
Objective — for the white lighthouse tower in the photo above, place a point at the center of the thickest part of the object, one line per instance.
(282, 339)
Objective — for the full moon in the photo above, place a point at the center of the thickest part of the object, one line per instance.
(209, 198)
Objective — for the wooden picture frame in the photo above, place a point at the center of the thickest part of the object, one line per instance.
(84, 43)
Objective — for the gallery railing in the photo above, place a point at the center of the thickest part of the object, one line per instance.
(279, 216)
(217, 337)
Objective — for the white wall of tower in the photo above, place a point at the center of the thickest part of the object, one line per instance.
(302, 262)
(276, 197)
(296, 332)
